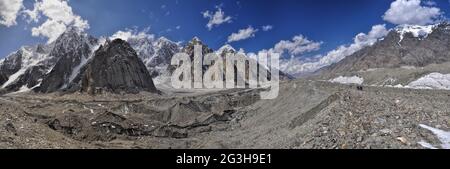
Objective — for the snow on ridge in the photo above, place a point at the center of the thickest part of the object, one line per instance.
(164, 39)
(153, 52)
(14, 77)
(432, 81)
(22, 89)
(195, 38)
(84, 60)
(416, 30)
(226, 47)
(29, 59)
(348, 80)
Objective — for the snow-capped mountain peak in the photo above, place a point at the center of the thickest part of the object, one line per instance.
(195, 38)
(163, 39)
(225, 48)
(70, 52)
(195, 41)
(16, 64)
(156, 54)
(416, 30)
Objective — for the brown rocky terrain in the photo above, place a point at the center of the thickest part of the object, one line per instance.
(307, 114)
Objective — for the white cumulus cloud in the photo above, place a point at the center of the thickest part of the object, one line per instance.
(59, 16)
(295, 48)
(132, 34)
(9, 10)
(216, 18)
(242, 34)
(412, 12)
(267, 27)
(298, 45)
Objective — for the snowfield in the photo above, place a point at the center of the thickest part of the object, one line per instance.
(432, 81)
(84, 60)
(30, 58)
(348, 80)
(416, 30)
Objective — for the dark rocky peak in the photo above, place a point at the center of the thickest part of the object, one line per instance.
(72, 42)
(71, 35)
(116, 68)
(23, 64)
(12, 62)
(41, 48)
(117, 46)
(70, 52)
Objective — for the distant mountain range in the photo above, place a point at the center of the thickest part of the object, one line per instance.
(409, 56)
(73, 63)
(407, 45)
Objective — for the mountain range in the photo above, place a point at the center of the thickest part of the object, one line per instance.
(308, 113)
(406, 55)
(406, 45)
(63, 64)
(67, 64)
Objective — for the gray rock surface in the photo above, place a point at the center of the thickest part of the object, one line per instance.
(25, 67)
(115, 67)
(70, 49)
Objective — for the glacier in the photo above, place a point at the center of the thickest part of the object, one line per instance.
(431, 81)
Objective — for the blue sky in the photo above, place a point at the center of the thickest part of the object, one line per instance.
(332, 22)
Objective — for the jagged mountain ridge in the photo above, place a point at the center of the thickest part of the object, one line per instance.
(23, 70)
(72, 49)
(156, 54)
(157, 59)
(59, 66)
(405, 45)
(115, 67)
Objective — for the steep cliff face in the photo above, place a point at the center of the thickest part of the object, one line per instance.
(72, 50)
(10, 65)
(25, 67)
(115, 67)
